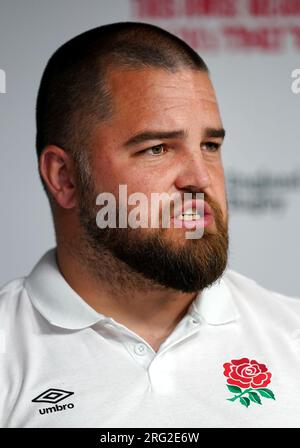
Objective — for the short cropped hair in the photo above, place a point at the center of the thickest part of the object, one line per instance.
(73, 95)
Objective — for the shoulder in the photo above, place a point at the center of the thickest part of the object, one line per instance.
(10, 295)
(246, 284)
(250, 295)
(13, 297)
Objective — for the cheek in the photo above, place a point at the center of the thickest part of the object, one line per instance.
(109, 173)
(219, 188)
(146, 183)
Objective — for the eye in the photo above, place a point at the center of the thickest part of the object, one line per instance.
(211, 146)
(155, 150)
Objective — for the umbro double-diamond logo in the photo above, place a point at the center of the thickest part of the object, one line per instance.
(54, 396)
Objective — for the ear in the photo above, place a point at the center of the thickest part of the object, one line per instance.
(57, 169)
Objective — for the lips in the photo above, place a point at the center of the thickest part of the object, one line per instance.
(198, 206)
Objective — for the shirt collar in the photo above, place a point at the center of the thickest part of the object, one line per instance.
(215, 304)
(58, 303)
(54, 298)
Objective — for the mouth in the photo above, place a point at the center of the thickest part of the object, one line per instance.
(195, 213)
(189, 215)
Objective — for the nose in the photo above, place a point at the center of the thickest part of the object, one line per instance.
(193, 174)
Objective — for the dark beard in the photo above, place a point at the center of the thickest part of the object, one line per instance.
(188, 267)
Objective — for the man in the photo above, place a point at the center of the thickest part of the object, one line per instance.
(140, 326)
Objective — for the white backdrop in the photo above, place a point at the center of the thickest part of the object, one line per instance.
(251, 48)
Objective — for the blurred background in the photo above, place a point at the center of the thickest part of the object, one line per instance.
(251, 48)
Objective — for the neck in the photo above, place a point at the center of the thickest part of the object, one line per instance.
(110, 287)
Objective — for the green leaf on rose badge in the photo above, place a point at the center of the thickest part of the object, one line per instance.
(247, 380)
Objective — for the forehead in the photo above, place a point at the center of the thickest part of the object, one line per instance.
(152, 94)
(156, 98)
(152, 80)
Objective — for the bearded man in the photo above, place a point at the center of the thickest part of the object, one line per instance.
(140, 326)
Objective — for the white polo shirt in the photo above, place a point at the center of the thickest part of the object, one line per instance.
(232, 361)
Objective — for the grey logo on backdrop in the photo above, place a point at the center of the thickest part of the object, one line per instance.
(261, 191)
(2, 81)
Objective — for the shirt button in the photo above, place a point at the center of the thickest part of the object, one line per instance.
(140, 349)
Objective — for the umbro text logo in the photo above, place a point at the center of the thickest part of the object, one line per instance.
(54, 396)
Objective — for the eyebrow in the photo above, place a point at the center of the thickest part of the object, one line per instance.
(158, 135)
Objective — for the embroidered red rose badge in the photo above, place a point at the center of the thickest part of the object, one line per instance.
(247, 380)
